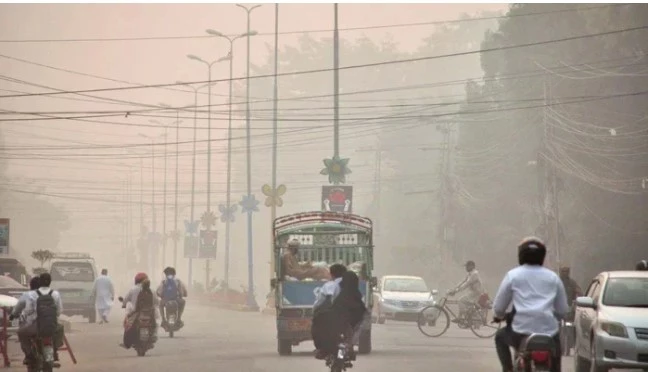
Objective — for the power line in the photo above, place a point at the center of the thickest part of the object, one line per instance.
(375, 64)
(398, 25)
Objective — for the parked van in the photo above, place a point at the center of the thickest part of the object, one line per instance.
(12, 268)
(73, 275)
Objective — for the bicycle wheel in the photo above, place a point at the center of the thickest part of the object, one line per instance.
(433, 321)
(481, 326)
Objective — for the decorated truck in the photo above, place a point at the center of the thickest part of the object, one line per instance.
(325, 238)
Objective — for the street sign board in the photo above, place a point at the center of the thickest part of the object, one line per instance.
(208, 240)
(337, 199)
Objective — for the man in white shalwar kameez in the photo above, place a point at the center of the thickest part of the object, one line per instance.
(104, 293)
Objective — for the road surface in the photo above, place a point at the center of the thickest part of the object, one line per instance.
(222, 340)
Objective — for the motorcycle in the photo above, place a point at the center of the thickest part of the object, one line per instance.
(171, 312)
(145, 329)
(534, 353)
(341, 360)
(43, 352)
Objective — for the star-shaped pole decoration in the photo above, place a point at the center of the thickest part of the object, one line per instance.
(191, 228)
(249, 204)
(273, 197)
(336, 169)
(208, 220)
(227, 214)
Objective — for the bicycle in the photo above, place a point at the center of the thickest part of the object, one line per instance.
(430, 317)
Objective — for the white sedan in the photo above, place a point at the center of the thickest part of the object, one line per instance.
(611, 323)
(401, 298)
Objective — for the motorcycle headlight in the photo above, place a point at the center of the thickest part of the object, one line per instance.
(614, 329)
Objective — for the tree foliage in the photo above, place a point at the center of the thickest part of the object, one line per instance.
(563, 106)
(42, 256)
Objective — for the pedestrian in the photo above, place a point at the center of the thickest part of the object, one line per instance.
(104, 294)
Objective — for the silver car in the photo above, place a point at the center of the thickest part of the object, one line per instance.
(401, 297)
(612, 323)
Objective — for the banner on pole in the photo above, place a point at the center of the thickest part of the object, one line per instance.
(4, 236)
(208, 240)
(337, 199)
(191, 246)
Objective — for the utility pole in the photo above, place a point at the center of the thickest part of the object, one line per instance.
(550, 190)
(275, 104)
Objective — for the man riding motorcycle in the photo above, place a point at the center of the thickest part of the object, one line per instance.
(474, 287)
(572, 289)
(322, 330)
(171, 289)
(538, 297)
(139, 301)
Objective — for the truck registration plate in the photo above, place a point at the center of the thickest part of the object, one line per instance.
(299, 325)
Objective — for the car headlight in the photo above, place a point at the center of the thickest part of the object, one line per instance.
(614, 329)
(389, 302)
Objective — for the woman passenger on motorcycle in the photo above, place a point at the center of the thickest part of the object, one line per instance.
(139, 302)
(538, 297)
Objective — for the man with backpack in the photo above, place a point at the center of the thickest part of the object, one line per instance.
(171, 289)
(42, 309)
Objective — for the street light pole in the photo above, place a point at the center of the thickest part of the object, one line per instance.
(209, 145)
(251, 299)
(228, 202)
(151, 252)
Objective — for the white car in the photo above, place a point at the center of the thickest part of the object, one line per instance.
(401, 298)
(611, 323)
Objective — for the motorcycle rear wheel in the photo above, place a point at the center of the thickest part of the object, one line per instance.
(141, 352)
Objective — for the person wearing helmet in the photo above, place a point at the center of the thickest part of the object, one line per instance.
(474, 289)
(538, 297)
(642, 265)
(292, 267)
(138, 302)
(171, 289)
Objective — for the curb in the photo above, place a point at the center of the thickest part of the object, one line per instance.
(235, 307)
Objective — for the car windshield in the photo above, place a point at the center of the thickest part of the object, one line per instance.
(72, 272)
(405, 285)
(626, 292)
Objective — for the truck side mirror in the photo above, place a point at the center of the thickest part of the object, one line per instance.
(273, 283)
(373, 281)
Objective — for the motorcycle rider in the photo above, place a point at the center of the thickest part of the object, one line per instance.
(137, 302)
(642, 265)
(475, 288)
(38, 315)
(323, 317)
(537, 295)
(171, 289)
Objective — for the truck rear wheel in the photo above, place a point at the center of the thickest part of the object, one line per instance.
(284, 347)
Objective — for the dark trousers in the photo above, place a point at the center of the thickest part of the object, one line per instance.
(506, 338)
(181, 307)
(26, 333)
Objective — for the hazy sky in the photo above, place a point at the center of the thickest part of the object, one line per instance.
(150, 62)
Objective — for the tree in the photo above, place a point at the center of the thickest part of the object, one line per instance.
(595, 145)
(42, 256)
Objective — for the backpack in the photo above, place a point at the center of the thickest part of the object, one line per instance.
(46, 314)
(170, 291)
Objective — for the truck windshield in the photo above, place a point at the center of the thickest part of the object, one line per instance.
(405, 285)
(72, 272)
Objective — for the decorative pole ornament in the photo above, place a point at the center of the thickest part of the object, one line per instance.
(227, 214)
(249, 204)
(273, 196)
(208, 220)
(191, 228)
(336, 169)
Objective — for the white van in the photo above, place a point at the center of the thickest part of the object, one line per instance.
(73, 275)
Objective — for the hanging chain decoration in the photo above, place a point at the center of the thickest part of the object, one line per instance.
(208, 220)
(273, 197)
(227, 214)
(336, 169)
(249, 204)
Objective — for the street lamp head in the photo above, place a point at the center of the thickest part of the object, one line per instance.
(251, 33)
(162, 104)
(215, 33)
(195, 58)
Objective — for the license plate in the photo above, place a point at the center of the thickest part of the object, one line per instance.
(48, 353)
(299, 325)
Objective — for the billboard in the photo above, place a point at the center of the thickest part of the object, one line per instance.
(208, 240)
(337, 199)
(4, 236)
